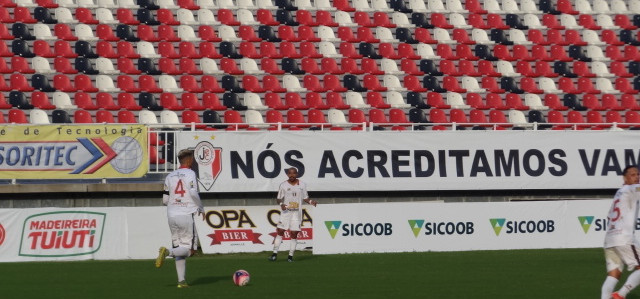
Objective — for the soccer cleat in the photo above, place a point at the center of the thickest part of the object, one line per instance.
(182, 284)
(615, 295)
(273, 257)
(290, 259)
(163, 252)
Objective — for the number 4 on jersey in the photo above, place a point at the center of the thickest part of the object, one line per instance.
(180, 189)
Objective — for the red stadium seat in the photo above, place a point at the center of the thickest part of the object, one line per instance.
(85, 16)
(169, 101)
(557, 119)
(273, 101)
(314, 100)
(127, 101)
(210, 84)
(19, 82)
(294, 101)
(41, 100)
(103, 116)
(226, 17)
(495, 101)
(63, 83)
(413, 83)
(63, 32)
(474, 6)
(312, 83)
(435, 100)
(207, 33)
(270, 66)
(125, 49)
(376, 101)
(125, 16)
(190, 84)
(247, 33)
(477, 21)
(22, 15)
(188, 66)
(332, 83)
(211, 101)
(105, 101)
(252, 84)
(165, 33)
(127, 117)
(335, 101)
(84, 101)
(265, 17)
(146, 33)
(127, 84)
(17, 116)
(165, 16)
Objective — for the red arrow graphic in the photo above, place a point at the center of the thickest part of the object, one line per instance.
(109, 154)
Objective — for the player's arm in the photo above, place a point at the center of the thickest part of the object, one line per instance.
(306, 199)
(280, 198)
(165, 194)
(195, 196)
(310, 201)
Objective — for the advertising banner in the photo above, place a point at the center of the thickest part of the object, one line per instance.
(73, 152)
(365, 161)
(53, 234)
(63, 234)
(248, 229)
(398, 227)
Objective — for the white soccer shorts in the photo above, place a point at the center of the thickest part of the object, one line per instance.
(183, 232)
(617, 257)
(290, 220)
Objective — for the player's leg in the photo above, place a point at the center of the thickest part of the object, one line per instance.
(292, 244)
(276, 244)
(294, 229)
(186, 241)
(630, 256)
(164, 252)
(614, 270)
(281, 227)
(181, 235)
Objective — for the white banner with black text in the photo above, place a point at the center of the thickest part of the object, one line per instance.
(377, 161)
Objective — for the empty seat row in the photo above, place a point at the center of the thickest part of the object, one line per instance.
(357, 119)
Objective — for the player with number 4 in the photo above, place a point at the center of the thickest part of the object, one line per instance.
(183, 203)
(620, 244)
(291, 194)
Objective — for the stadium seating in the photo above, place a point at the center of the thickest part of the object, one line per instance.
(470, 61)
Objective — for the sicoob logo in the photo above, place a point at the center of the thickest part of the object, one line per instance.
(62, 234)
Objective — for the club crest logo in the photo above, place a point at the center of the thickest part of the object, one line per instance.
(209, 159)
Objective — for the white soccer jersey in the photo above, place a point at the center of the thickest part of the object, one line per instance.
(622, 217)
(182, 186)
(292, 195)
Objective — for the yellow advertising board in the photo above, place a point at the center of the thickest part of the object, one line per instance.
(73, 151)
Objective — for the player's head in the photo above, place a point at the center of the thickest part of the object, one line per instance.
(630, 175)
(185, 157)
(292, 173)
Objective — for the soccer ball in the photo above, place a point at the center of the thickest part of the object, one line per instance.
(241, 278)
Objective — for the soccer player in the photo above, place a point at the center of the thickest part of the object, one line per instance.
(291, 194)
(620, 244)
(183, 202)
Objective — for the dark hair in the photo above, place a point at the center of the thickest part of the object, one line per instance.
(184, 154)
(626, 169)
(291, 168)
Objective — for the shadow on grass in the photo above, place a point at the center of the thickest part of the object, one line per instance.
(297, 258)
(207, 280)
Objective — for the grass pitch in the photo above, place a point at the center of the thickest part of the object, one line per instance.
(566, 273)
